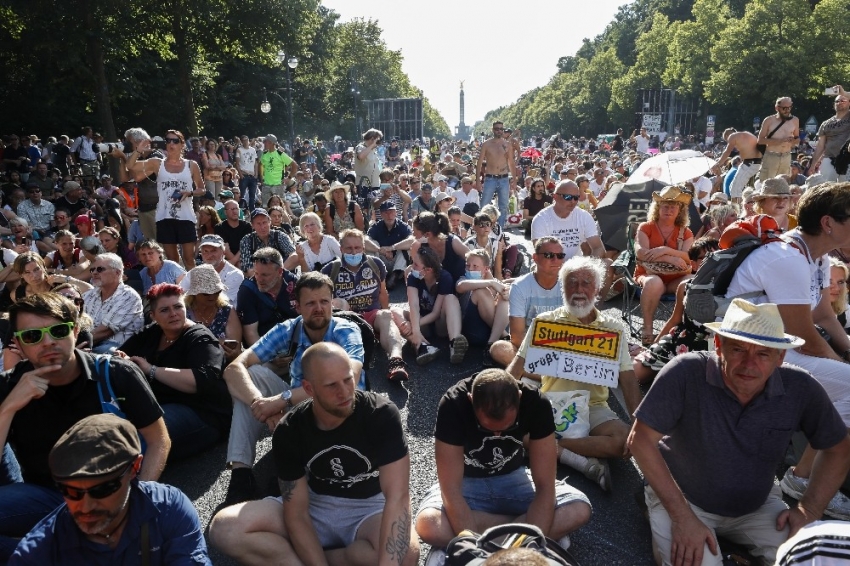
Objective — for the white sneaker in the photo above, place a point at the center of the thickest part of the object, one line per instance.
(795, 486)
(565, 542)
(573, 460)
(436, 557)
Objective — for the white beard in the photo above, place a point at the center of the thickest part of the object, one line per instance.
(580, 311)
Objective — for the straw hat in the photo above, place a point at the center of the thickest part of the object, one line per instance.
(756, 324)
(773, 187)
(443, 196)
(671, 194)
(204, 279)
(334, 186)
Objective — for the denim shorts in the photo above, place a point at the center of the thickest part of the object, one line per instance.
(337, 519)
(508, 494)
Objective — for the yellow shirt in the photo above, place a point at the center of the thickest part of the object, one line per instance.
(598, 393)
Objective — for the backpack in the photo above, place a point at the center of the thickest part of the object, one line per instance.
(705, 293)
(110, 406)
(470, 548)
(350, 210)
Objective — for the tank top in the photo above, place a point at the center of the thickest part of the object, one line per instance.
(453, 263)
(214, 174)
(166, 183)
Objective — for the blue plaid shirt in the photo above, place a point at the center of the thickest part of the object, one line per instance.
(277, 340)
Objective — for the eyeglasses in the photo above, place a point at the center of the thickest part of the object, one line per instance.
(175, 141)
(511, 428)
(266, 261)
(99, 491)
(785, 107)
(552, 255)
(99, 269)
(567, 197)
(484, 224)
(32, 336)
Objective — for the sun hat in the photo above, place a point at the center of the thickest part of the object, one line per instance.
(440, 197)
(773, 187)
(204, 279)
(95, 446)
(719, 196)
(755, 324)
(671, 194)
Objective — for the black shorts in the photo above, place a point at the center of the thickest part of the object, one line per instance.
(171, 231)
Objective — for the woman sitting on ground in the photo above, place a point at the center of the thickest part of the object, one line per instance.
(431, 301)
(342, 211)
(35, 280)
(156, 268)
(680, 334)
(450, 250)
(207, 304)
(661, 249)
(183, 363)
(484, 302)
(316, 250)
(208, 219)
(510, 252)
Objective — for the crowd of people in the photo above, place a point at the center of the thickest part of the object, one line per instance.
(204, 291)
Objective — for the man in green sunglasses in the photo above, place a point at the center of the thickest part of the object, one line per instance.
(43, 396)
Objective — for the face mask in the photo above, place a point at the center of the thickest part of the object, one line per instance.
(385, 186)
(473, 274)
(417, 274)
(353, 259)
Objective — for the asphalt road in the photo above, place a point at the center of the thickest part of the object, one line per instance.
(617, 534)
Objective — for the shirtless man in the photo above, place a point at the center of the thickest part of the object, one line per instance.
(745, 143)
(777, 157)
(832, 134)
(495, 164)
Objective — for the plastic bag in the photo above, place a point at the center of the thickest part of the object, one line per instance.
(571, 412)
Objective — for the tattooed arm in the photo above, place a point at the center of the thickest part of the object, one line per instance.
(299, 527)
(396, 545)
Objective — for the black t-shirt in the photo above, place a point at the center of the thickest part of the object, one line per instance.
(198, 350)
(485, 454)
(73, 208)
(345, 461)
(16, 154)
(37, 427)
(428, 297)
(233, 235)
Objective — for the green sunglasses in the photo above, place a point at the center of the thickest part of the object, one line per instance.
(32, 336)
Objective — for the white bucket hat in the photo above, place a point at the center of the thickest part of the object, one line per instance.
(756, 324)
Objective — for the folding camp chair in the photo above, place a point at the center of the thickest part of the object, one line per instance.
(624, 267)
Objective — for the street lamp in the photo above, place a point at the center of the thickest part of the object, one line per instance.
(265, 107)
(291, 63)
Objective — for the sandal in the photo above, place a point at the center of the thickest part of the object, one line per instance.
(397, 370)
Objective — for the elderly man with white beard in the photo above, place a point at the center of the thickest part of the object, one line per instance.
(581, 278)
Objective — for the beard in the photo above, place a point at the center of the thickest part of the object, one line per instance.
(580, 306)
(104, 521)
(335, 410)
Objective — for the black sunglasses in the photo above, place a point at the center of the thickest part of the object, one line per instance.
(266, 261)
(175, 141)
(32, 336)
(552, 255)
(100, 491)
(99, 269)
(567, 197)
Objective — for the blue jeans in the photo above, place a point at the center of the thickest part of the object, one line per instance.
(189, 433)
(22, 505)
(248, 188)
(491, 185)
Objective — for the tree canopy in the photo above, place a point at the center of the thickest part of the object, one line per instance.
(733, 57)
(198, 66)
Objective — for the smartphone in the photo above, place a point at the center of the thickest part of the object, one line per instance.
(231, 343)
(833, 90)
(176, 195)
(25, 240)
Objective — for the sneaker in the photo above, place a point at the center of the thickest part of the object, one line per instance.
(436, 557)
(600, 472)
(458, 349)
(426, 354)
(564, 542)
(243, 487)
(794, 486)
(397, 370)
(487, 360)
(573, 460)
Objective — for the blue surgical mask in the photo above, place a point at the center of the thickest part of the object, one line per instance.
(473, 274)
(417, 274)
(353, 259)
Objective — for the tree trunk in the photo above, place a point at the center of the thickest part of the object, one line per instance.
(94, 50)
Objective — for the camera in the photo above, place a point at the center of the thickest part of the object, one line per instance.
(108, 147)
(158, 143)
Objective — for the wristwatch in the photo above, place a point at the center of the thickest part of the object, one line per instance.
(287, 396)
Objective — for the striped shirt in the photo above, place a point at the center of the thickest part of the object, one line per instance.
(121, 313)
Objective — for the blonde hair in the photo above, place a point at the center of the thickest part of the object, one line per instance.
(839, 305)
(307, 215)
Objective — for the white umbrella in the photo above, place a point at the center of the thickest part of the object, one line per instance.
(672, 167)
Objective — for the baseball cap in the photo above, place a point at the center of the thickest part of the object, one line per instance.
(259, 212)
(225, 194)
(96, 446)
(387, 205)
(212, 240)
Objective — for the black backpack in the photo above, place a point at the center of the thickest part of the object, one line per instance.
(470, 548)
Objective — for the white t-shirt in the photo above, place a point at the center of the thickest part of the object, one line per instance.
(461, 198)
(247, 157)
(573, 230)
(642, 144)
(702, 184)
(597, 187)
(528, 298)
(783, 273)
(328, 251)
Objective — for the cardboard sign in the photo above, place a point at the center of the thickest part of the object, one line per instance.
(574, 351)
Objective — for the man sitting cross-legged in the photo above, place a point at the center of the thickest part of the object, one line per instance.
(344, 471)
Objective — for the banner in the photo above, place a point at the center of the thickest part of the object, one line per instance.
(574, 351)
(652, 123)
